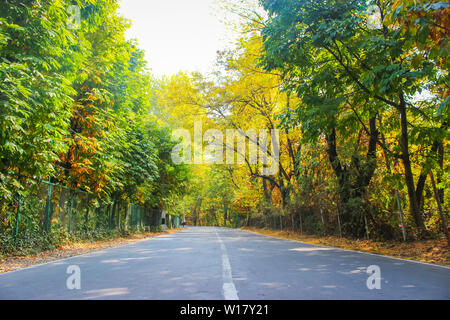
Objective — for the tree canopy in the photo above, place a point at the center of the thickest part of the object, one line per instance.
(358, 91)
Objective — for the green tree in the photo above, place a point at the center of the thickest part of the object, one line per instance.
(346, 71)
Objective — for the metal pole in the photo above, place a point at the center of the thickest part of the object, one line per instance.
(86, 215)
(402, 220)
(49, 207)
(184, 216)
(339, 223)
(301, 224)
(441, 211)
(16, 229)
(367, 227)
(163, 218)
(69, 226)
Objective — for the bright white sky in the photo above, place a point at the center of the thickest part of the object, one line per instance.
(175, 34)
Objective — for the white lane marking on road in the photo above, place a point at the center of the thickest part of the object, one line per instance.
(229, 290)
(88, 254)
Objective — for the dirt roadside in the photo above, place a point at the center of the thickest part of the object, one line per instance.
(74, 249)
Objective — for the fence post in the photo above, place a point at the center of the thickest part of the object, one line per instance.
(49, 207)
(86, 215)
(16, 229)
(69, 225)
(400, 212)
(339, 223)
(441, 211)
(163, 219)
(108, 213)
(127, 216)
(301, 223)
(118, 214)
(112, 213)
(367, 227)
(184, 215)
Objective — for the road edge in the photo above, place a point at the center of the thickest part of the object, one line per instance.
(86, 253)
(348, 250)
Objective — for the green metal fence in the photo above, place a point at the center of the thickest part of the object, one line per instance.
(45, 206)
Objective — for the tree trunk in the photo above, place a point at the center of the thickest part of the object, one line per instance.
(111, 217)
(225, 214)
(439, 174)
(423, 176)
(361, 173)
(409, 178)
(441, 211)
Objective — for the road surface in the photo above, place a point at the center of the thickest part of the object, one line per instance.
(205, 263)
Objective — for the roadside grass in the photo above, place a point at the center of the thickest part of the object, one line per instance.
(71, 247)
(430, 251)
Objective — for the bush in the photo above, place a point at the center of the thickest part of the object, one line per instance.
(31, 242)
(34, 240)
(313, 225)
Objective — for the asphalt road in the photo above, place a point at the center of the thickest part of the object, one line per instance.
(216, 263)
